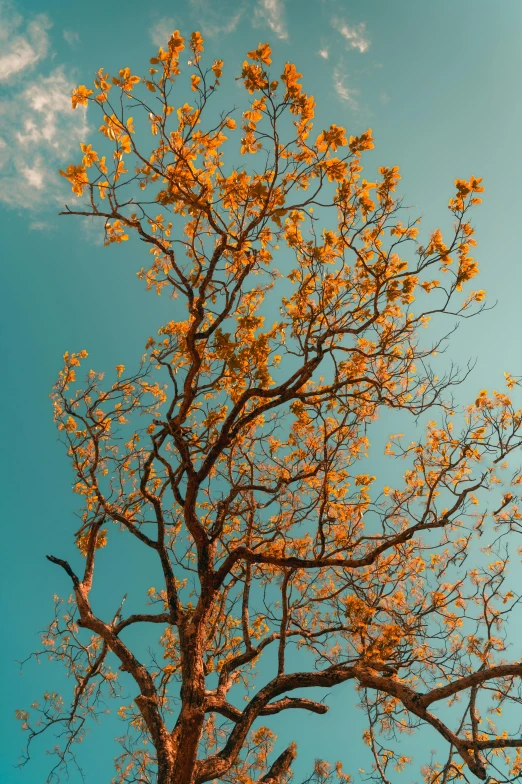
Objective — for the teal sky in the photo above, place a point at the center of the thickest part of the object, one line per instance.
(439, 83)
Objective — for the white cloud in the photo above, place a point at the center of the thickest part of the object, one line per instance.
(50, 118)
(71, 37)
(272, 13)
(355, 36)
(39, 130)
(21, 48)
(35, 174)
(216, 19)
(345, 93)
(38, 127)
(324, 53)
(161, 31)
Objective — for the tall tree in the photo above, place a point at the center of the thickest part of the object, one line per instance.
(235, 453)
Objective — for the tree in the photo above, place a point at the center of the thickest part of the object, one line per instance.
(235, 453)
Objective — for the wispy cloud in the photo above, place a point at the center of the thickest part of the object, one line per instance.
(92, 230)
(161, 30)
(272, 13)
(216, 18)
(38, 130)
(21, 45)
(323, 52)
(71, 37)
(355, 35)
(38, 127)
(345, 93)
(40, 226)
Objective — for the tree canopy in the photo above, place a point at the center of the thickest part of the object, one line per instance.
(236, 450)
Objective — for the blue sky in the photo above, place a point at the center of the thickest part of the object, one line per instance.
(438, 82)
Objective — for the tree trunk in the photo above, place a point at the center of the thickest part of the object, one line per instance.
(191, 719)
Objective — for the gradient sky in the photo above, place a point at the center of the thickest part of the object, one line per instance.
(439, 83)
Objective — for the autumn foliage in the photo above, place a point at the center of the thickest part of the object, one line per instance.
(236, 451)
